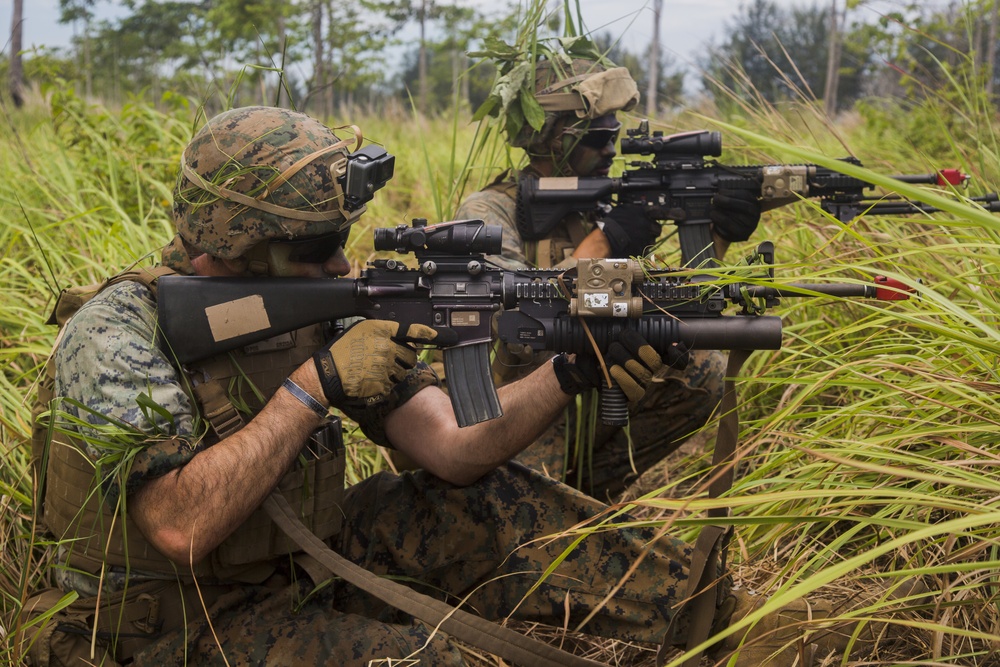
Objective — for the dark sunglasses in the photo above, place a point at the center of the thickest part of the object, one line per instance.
(314, 249)
(595, 137)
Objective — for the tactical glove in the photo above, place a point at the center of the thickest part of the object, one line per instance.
(576, 377)
(368, 360)
(628, 230)
(632, 364)
(635, 362)
(734, 214)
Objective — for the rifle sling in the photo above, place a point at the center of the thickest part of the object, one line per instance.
(477, 631)
(708, 556)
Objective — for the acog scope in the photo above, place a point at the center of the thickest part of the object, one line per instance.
(457, 237)
(685, 144)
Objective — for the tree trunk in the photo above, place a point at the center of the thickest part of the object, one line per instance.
(87, 70)
(16, 70)
(991, 48)
(422, 60)
(653, 84)
(328, 85)
(833, 53)
(319, 64)
(282, 45)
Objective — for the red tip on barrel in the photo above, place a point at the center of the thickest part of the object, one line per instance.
(890, 289)
(952, 177)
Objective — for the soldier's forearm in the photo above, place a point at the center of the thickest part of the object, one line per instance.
(189, 511)
(425, 429)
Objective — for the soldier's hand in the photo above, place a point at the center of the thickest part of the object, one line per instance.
(368, 360)
(578, 375)
(735, 214)
(635, 362)
(629, 230)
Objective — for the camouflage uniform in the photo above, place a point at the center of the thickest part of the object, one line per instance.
(670, 412)
(252, 175)
(478, 540)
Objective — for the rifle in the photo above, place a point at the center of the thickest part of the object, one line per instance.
(678, 185)
(454, 287)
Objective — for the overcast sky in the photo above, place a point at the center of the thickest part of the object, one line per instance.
(688, 26)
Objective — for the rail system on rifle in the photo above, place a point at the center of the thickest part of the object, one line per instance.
(454, 286)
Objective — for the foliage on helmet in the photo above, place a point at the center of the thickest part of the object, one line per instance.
(258, 173)
(522, 76)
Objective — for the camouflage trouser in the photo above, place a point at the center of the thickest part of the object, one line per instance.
(482, 541)
(669, 413)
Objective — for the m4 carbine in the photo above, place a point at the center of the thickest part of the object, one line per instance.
(454, 287)
(678, 185)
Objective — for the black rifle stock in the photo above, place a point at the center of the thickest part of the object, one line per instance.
(679, 183)
(455, 288)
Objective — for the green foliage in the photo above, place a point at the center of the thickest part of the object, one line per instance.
(512, 101)
(868, 443)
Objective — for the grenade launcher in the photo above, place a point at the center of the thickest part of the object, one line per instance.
(454, 286)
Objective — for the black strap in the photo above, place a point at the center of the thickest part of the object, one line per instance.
(478, 631)
(704, 578)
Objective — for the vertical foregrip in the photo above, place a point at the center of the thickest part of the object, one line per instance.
(697, 245)
(614, 405)
(470, 383)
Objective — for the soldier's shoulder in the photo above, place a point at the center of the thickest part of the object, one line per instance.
(111, 313)
(125, 300)
(487, 205)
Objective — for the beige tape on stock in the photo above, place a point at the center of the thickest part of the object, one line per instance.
(237, 318)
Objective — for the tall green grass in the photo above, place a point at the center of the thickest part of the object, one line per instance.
(869, 442)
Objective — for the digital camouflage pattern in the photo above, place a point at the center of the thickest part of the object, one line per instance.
(671, 411)
(445, 540)
(483, 541)
(251, 151)
(107, 357)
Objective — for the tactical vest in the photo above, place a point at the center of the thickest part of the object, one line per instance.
(96, 534)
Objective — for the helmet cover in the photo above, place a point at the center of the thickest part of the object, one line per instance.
(258, 173)
(577, 89)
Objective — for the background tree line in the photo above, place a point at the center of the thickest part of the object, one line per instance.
(324, 54)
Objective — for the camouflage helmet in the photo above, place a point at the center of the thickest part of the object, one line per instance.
(258, 173)
(575, 88)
